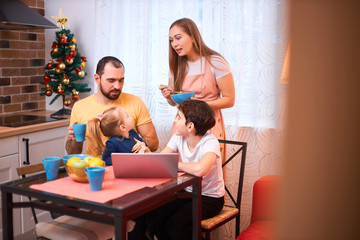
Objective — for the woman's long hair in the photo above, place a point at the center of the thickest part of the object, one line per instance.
(178, 65)
(105, 125)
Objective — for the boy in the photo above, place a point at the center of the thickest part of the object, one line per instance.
(200, 156)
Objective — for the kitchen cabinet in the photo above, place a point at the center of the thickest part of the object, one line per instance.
(41, 144)
(9, 161)
(25, 149)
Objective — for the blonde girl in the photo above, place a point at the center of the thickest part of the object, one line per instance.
(116, 124)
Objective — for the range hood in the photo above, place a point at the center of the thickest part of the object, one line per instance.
(17, 15)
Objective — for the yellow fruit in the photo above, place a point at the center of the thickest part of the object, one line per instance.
(71, 162)
(87, 159)
(93, 162)
(79, 179)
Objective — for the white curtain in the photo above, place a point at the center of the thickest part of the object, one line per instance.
(250, 34)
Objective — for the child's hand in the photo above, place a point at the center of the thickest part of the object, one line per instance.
(144, 150)
(139, 147)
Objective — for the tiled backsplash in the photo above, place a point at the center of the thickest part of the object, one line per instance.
(22, 60)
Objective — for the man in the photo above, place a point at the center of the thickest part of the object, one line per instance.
(109, 77)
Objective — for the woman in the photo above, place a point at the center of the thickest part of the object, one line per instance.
(194, 67)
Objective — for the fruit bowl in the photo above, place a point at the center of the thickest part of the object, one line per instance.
(180, 97)
(75, 165)
(67, 157)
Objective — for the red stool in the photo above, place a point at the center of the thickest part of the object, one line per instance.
(263, 216)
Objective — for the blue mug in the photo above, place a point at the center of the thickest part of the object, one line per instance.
(95, 177)
(51, 166)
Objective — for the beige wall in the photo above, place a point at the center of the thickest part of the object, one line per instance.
(322, 168)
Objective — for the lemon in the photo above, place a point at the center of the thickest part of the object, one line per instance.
(93, 162)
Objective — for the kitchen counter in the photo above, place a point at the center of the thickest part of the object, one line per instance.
(13, 131)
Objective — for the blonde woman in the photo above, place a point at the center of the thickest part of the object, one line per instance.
(194, 67)
(118, 125)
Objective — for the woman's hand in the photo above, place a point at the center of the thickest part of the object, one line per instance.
(166, 91)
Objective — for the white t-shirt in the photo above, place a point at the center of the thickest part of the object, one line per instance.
(220, 69)
(213, 182)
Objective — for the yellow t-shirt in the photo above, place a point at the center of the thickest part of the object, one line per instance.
(88, 108)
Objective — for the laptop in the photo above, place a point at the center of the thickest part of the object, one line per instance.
(145, 165)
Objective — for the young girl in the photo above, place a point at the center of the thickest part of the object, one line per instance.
(118, 125)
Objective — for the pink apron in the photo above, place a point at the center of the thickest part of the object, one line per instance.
(206, 89)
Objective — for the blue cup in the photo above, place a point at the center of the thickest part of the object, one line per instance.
(51, 166)
(79, 131)
(96, 177)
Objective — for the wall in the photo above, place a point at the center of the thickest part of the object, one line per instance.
(21, 61)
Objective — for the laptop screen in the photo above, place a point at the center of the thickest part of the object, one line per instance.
(145, 165)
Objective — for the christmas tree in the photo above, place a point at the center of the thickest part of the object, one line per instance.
(65, 69)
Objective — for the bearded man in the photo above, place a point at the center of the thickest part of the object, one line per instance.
(109, 78)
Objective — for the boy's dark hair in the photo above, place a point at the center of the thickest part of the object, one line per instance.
(109, 59)
(199, 113)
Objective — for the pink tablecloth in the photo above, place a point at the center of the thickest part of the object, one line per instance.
(112, 187)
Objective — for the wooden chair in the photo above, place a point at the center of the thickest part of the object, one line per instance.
(31, 169)
(229, 212)
(71, 227)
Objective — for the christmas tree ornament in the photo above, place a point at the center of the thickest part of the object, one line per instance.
(65, 80)
(67, 102)
(48, 93)
(62, 19)
(50, 65)
(58, 70)
(48, 87)
(47, 79)
(70, 61)
(72, 47)
(82, 64)
(56, 50)
(60, 90)
(75, 95)
(81, 73)
(72, 54)
(61, 65)
(63, 40)
(73, 40)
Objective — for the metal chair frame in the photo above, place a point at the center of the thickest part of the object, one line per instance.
(237, 199)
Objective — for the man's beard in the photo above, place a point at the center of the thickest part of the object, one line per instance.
(108, 94)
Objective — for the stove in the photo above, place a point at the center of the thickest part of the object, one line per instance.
(19, 120)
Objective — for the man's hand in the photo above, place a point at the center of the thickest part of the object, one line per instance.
(148, 134)
(71, 146)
